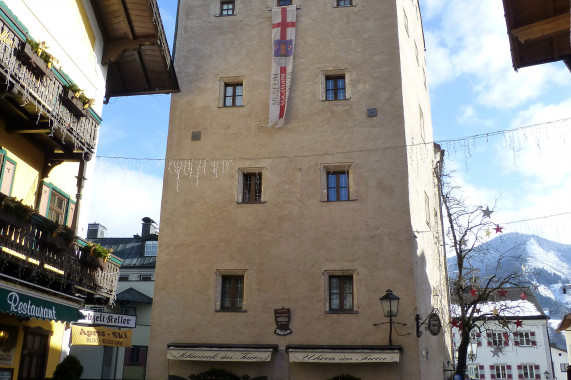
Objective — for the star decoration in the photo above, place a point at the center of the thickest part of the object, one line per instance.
(463, 242)
(488, 232)
(518, 323)
(487, 212)
(504, 323)
(495, 311)
(455, 323)
(523, 296)
(473, 292)
(498, 229)
(496, 352)
(503, 293)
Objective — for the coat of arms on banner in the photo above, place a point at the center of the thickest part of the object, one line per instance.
(282, 316)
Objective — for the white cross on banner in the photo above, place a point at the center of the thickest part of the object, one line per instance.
(283, 37)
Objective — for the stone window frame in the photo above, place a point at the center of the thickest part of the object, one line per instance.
(235, 80)
(348, 167)
(218, 288)
(240, 183)
(335, 73)
(339, 272)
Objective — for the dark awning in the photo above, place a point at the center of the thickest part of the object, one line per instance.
(343, 354)
(221, 352)
(133, 295)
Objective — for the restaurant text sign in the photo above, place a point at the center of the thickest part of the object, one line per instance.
(219, 355)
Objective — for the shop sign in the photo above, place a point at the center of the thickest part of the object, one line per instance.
(100, 336)
(32, 307)
(360, 356)
(220, 355)
(91, 317)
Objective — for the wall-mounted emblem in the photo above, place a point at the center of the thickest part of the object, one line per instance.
(282, 317)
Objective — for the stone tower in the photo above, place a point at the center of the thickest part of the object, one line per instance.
(277, 243)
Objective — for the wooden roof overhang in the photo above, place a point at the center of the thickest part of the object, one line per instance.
(539, 31)
(135, 48)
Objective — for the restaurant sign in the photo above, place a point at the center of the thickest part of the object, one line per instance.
(27, 306)
(220, 355)
(91, 317)
(100, 336)
(335, 356)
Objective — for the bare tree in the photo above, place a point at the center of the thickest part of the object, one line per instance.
(483, 277)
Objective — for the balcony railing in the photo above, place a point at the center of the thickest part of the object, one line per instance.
(30, 250)
(40, 94)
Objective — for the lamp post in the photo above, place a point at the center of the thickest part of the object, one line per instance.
(546, 375)
(390, 305)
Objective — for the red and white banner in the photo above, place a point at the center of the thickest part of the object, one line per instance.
(283, 38)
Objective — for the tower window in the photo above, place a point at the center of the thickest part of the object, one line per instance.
(282, 3)
(233, 93)
(344, 3)
(335, 87)
(227, 8)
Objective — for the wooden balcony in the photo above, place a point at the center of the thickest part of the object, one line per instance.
(34, 100)
(33, 251)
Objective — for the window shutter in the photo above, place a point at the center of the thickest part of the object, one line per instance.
(44, 199)
(7, 177)
(536, 367)
(532, 337)
(489, 338)
(520, 376)
(506, 339)
(70, 213)
(479, 337)
(510, 376)
(519, 367)
(493, 376)
(492, 371)
(538, 376)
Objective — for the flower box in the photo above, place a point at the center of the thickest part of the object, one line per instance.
(34, 62)
(72, 103)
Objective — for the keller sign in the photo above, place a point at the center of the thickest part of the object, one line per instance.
(91, 317)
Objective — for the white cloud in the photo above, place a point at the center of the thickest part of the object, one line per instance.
(121, 194)
(471, 40)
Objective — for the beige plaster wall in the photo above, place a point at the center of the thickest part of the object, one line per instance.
(286, 244)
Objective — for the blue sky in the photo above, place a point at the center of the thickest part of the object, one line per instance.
(524, 175)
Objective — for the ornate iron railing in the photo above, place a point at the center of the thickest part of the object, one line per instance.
(41, 91)
(32, 251)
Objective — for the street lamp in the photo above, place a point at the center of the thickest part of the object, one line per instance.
(390, 305)
(546, 375)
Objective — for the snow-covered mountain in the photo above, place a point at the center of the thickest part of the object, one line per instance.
(545, 264)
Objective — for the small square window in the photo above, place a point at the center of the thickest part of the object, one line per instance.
(337, 182)
(337, 186)
(344, 3)
(146, 277)
(227, 8)
(151, 248)
(524, 339)
(252, 188)
(497, 339)
(123, 278)
(528, 371)
(56, 211)
(335, 87)
(233, 93)
(501, 372)
(341, 293)
(135, 356)
(282, 3)
(232, 293)
(474, 371)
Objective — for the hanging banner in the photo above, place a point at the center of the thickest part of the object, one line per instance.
(283, 37)
(100, 336)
